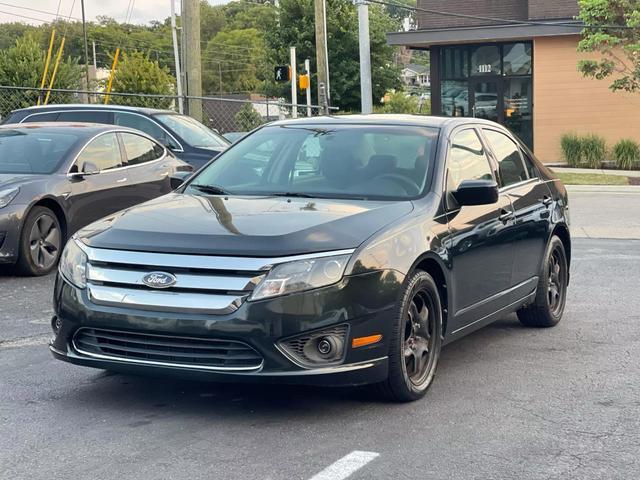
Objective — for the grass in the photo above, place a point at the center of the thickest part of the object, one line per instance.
(592, 179)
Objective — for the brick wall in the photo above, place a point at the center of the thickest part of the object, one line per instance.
(507, 9)
(545, 9)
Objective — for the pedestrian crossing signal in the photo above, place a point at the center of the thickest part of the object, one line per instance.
(283, 73)
(303, 82)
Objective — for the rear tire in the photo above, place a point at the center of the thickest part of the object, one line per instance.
(416, 340)
(551, 294)
(40, 243)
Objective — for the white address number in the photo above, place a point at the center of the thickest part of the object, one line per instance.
(486, 68)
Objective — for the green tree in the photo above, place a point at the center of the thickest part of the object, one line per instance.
(619, 47)
(137, 73)
(247, 118)
(296, 27)
(234, 62)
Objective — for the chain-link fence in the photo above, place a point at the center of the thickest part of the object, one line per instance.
(223, 113)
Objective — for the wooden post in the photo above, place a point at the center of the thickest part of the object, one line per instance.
(111, 75)
(55, 70)
(46, 63)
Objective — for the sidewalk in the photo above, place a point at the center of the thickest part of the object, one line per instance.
(624, 173)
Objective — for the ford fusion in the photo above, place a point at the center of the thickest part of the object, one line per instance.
(328, 251)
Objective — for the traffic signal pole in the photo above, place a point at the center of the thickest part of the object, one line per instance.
(294, 83)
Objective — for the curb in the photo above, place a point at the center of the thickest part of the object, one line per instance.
(604, 188)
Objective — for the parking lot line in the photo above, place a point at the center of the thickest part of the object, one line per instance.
(26, 341)
(346, 466)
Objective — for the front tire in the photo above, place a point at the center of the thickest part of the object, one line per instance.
(416, 341)
(40, 243)
(551, 294)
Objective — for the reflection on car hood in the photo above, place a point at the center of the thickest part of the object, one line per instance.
(16, 179)
(243, 226)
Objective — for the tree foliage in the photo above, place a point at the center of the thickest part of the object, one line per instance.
(619, 47)
(247, 118)
(137, 73)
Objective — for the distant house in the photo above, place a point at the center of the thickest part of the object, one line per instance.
(414, 75)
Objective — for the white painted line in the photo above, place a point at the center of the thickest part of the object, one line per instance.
(26, 342)
(346, 466)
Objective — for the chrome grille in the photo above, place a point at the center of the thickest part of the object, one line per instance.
(144, 348)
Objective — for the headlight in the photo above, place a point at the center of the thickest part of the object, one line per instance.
(7, 195)
(73, 264)
(301, 275)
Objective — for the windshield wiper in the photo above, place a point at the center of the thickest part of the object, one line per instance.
(212, 189)
(293, 194)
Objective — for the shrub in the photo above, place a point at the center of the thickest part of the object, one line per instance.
(571, 146)
(399, 102)
(247, 118)
(594, 150)
(626, 153)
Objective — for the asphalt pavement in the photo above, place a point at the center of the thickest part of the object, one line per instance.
(508, 402)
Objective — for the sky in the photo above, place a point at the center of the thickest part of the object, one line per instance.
(143, 10)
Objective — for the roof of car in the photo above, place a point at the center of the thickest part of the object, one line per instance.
(84, 106)
(84, 128)
(386, 119)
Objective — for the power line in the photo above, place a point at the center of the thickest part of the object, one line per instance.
(498, 20)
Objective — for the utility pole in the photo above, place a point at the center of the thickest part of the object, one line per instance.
(322, 60)
(192, 58)
(307, 71)
(294, 82)
(86, 47)
(176, 57)
(95, 61)
(366, 95)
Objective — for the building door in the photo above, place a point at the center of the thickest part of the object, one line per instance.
(486, 98)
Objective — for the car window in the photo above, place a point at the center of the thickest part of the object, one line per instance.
(529, 165)
(87, 116)
(139, 122)
(343, 161)
(103, 152)
(467, 160)
(507, 154)
(41, 117)
(139, 150)
(35, 150)
(191, 131)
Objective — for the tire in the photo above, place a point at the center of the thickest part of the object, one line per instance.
(551, 293)
(415, 342)
(41, 243)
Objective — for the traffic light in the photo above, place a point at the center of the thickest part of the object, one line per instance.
(282, 73)
(303, 82)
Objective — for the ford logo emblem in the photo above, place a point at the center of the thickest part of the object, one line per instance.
(159, 280)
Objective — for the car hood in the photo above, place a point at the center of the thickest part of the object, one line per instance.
(242, 226)
(8, 180)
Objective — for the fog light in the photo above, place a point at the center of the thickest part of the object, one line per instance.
(56, 325)
(319, 348)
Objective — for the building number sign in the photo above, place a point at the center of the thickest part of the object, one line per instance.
(484, 68)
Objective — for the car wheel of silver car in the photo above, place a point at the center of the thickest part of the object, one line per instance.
(40, 242)
(551, 295)
(415, 342)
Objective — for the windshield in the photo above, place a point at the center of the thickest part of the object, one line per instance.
(336, 161)
(33, 150)
(193, 132)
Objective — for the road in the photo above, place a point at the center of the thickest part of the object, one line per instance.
(508, 402)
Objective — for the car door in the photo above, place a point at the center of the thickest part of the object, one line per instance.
(149, 166)
(99, 194)
(531, 199)
(478, 245)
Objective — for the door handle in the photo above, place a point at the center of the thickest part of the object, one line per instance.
(122, 180)
(546, 200)
(506, 215)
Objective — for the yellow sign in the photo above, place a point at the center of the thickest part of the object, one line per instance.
(303, 82)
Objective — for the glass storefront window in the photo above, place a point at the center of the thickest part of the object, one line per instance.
(455, 62)
(517, 59)
(485, 60)
(518, 108)
(455, 98)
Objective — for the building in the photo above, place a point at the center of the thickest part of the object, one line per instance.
(415, 75)
(517, 65)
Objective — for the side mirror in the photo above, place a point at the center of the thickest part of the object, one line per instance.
(89, 168)
(178, 178)
(476, 192)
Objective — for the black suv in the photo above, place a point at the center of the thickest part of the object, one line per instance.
(337, 251)
(188, 139)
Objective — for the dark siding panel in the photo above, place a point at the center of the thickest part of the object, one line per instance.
(507, 9)
(544, 9)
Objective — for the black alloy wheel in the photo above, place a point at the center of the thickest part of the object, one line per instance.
(40, 242)
(416, 341)
(551, 294)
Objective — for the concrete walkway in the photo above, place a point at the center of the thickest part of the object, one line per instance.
(625, 173)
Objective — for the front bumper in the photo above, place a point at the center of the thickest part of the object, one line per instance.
(364, 302)
(10, 222)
